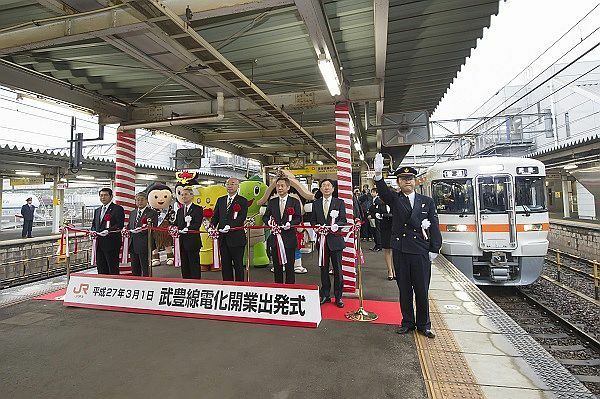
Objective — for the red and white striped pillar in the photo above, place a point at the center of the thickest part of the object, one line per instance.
(125, 171)
(344, 180)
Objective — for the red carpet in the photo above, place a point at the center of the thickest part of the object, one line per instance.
(387, 312)
(53, 296)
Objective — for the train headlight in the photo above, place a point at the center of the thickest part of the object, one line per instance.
(532, 227)
(457, 228)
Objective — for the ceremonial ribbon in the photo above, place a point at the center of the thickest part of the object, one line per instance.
(125, 234)
(322, 231)
(174, 233)
(276, 231)
(213, 233)
(76, 246)
(61, 247)
(93, 236)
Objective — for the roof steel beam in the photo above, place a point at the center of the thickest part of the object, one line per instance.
(380, 14)
(208, 138)
(18, 77)
(116, 21)
(317, 25)
(206, 54)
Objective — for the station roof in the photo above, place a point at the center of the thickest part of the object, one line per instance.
(20, 159)
(143, 60)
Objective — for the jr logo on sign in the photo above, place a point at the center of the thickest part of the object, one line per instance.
(83, 288)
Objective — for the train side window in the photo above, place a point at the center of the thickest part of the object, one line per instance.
(529, 194)
(453, 196)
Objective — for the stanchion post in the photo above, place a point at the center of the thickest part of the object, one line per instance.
(247, 253)
(361, 314)
(596, 278)
(67, 257)
(149, 226)
(558, 265)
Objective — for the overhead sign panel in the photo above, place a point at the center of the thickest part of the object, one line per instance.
(405, 128)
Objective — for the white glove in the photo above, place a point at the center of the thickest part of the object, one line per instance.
(378, 166)
(184, 230)
(286, 226)
(432, 256)
(334, 227)
(425, 224)
(378, 216)
(262, 210)
(103, 233)
(226, 228)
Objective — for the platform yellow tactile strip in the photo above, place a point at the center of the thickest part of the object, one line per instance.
(445, 369)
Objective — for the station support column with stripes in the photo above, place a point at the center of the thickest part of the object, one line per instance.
(125, 171)
(343, 146)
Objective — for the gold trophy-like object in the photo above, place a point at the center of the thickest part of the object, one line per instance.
(360, 314)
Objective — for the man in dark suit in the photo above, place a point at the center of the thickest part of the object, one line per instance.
(376, 212)
(27, 211)
(416, 240)
(334, 244)
(286, 211)
(108, 222)
(189, 217)
(138, 245)
(231, 211)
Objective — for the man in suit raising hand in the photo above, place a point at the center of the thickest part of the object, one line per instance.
(189, 217)
(324, 210)
(108, 222)
(286, 212)
(138, 219)
(231, 211)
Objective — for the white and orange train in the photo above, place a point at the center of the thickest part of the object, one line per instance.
(493, 217)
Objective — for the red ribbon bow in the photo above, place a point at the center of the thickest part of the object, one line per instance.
(237, 207)
(213, 233)
(174, 231)
(144, 220)
(208, 213)
(126, 233)
(107, 217)
(290, 211)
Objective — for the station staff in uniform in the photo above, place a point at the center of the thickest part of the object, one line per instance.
(278, 208)
(189, 244)
(321, 214)
(231, 243)
(27, 211)
(413, 250)
(138, 245)
(108, 222)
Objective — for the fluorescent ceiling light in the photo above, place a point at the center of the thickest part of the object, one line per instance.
(85, 177)
(329, 75)
(570, 166)
(319, 162)
(209, 182)
(352, 128)
(357, 146)
(361, 156)
(147, 177)
(26, 173)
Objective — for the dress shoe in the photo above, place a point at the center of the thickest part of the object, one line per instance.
(325, 300)
(339, 303)
(404, 330)
(378, 249)
(374, 249)
(390, 278)
(427, 333)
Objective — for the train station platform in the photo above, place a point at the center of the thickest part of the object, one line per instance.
(54, 351)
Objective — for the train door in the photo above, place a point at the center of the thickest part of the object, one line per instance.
(495, 213)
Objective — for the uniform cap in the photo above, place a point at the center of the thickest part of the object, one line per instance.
(405, 170)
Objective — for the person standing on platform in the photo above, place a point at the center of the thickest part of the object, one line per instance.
(108, 222)
(189, 217)
(138, 219)
(286, 212)
(365, 200)
(376, 212)
(386, 232)
(231, 211)
(27, 211)
(416, 241)
(334, 244)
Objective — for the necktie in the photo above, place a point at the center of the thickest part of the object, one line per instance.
(326, 207)
(229, 201)
(138, 217)
(408, 201)
(102, 213)
(282, 207)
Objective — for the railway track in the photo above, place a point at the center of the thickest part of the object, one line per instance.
(570, 342)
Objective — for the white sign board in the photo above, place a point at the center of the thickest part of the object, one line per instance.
(289, 305)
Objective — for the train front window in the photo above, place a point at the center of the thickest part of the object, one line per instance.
(453, 196)
(493, 193)
(529, 194)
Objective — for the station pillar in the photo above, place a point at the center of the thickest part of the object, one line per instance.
(1, 190)
(58, 216)
(343, 146)
(565, 196)
(125, 171)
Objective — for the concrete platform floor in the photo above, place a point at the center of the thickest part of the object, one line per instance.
(56, 352)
